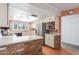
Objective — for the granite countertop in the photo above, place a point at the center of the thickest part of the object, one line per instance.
(6, 40)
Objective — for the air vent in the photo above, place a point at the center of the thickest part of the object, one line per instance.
(34, 15)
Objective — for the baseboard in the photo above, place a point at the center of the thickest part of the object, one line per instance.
(70, 44)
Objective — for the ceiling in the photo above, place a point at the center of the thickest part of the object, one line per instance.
(65, 6)
(45, 6)
(44, 10)
(32, 9)
(56, 6)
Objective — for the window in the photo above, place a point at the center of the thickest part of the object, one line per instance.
(23, 26)
(15, 26)
(19, 26)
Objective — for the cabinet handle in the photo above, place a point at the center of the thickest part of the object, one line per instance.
(2, 48)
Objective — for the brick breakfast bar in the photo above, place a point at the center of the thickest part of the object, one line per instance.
(22, 45)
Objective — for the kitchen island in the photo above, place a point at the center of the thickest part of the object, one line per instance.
(22, 45)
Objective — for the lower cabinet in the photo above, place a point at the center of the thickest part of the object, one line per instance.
(53, 41)
(25, 48)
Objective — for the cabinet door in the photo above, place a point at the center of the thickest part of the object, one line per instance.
(47, 37)
(3, 14)
(51, 41)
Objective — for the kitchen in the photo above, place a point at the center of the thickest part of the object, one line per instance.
(32, 29)
(13, 41)
(18, 30)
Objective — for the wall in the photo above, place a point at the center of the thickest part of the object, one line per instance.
(70, 29)
(67, 13)
(3, 15)
(69, 26)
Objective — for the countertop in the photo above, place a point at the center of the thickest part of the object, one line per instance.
(7, 40)
(54, 34)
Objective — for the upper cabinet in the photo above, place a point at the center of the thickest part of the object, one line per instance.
(3, 15)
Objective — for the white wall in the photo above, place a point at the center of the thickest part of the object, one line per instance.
(3, 14)
(70, 29)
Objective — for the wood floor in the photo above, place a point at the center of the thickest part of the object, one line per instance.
(63, 51)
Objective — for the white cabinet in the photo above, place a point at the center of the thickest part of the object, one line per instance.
(49, 40)
(3, 14)
(53, 40)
